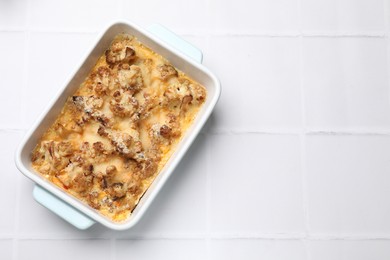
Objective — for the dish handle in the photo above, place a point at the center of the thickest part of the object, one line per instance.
(175, 41)
(61, 208)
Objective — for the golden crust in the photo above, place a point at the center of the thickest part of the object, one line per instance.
(117, 131)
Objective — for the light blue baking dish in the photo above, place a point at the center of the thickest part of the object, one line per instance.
(182, 55)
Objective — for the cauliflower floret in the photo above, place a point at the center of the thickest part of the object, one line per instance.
(124, 143)
(130, 78)
(90, 106)
(166, 71)
(123, 104)
(119, 52)
(53, 156)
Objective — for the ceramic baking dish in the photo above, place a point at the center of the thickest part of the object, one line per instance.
(182, 55)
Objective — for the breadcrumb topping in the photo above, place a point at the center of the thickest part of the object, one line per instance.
(117, 131)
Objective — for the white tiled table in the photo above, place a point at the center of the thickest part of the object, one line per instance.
(293, 164)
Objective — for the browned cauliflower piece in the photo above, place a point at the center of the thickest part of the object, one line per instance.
(182, 94)
(123, 104)
(123, 186)
(95, 152)
(147, 104)
(117, 190)
(133, 186)
(102, 81)
(130, 78)
(99, 148)
(54, 156)
(125, 144)
(111, 169)
(90, 105)
(119, 52)
(81, 183)
(93, 199)
(149, 168)
(163, 133)
(198, 93)
(166, 71)
(79, 174)
(176, 92)
(126, 202)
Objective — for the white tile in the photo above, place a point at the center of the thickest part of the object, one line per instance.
(342, 250)
(11, 80)
(346, 82)
(52, 59)
(6, 249)
(257, 249)
(64, 249)
(255, 184)
(9, 141)
(180, 208)
(161, 249)
(73, 15)
(188, 17)
(260, 82)
(348, 184)
(12, 14)
(255, 17)
(330, 16)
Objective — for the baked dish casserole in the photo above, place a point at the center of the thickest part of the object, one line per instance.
(117, 131)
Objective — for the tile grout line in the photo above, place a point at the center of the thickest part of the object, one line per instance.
(329, 132)
(346, 34)
(112, 248)
(305, 199)
(237, 236)
(211, 30)
(17, 217)
(387, 41)
(208, 201)
(26, 63)
(51, 31)
(24, 79)
(297, 35)
(26, 57)
(25, 30)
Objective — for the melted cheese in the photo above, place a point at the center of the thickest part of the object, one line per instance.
(118, 130)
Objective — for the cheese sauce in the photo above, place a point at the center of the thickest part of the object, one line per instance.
(117, 131)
